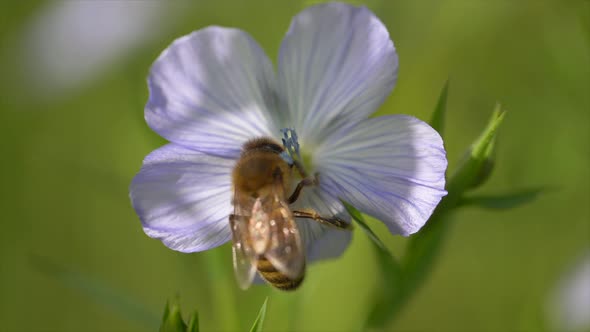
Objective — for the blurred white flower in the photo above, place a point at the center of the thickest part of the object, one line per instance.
(569, 304)
(69, 43)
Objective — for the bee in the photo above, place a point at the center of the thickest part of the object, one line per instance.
(264, 233)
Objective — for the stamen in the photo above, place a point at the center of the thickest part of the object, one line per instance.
(291, 143)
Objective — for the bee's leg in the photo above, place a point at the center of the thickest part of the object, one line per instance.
(234, 219)
(307, 181)
(310, 181)
(332, 221)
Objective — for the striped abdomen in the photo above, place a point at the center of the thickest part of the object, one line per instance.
(276, 278)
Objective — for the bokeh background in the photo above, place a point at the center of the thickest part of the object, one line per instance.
(73, 256)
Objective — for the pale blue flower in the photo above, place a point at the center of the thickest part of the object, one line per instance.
(214, 89)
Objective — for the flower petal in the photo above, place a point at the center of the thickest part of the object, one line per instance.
(183, 198)
(391, 167)
(337, 64)
(320, 241)
(211, 91)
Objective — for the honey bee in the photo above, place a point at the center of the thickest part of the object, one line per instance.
(264, 233)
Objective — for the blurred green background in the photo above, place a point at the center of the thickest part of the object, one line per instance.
(72, 91)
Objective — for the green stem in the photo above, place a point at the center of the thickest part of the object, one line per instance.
(223, 294)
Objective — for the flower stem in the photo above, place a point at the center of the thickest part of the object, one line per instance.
(223, 291)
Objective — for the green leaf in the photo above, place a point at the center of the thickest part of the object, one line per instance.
(438, 117)
(257, 326)
(503, 201)
(166, 312)
(172, 319)
(386, 299)
(97, 290)
(193, 323)
(358, 217)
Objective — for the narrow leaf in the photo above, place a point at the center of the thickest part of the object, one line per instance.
(502, 201)
(358, 217)
(166, 312)
(438, 117)
(193, 323)
(257, 326)
(172, 319)
(97, 290)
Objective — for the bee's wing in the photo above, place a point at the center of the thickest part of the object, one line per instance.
(244, 258)
(285, 250)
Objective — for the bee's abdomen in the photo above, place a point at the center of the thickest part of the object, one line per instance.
(276, 278)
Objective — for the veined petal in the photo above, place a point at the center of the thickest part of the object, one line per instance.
(320, 241)
(391, 167)
(183, 198)
(212, 90)
(337, 64)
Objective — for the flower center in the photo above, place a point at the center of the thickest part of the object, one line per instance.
(307, 162)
